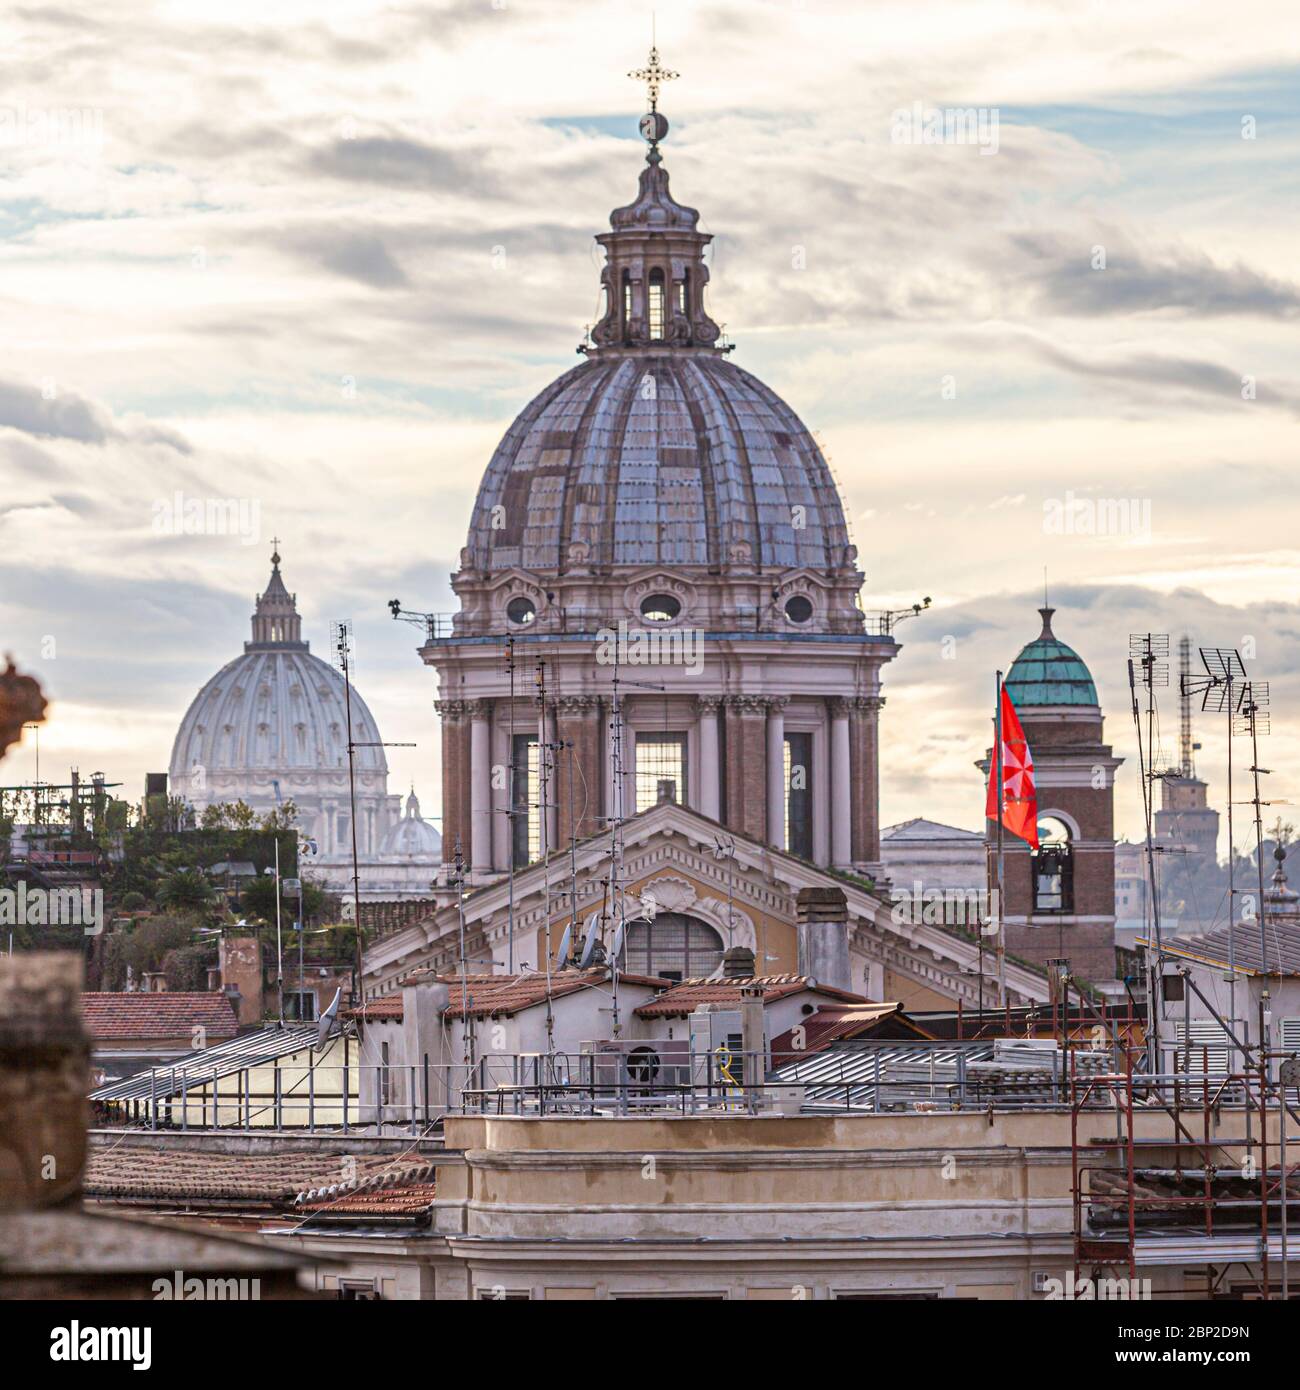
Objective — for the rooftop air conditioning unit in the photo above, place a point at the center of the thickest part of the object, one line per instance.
(650, 1063)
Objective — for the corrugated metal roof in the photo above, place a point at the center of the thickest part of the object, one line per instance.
(844, 1076)
(250, 1050)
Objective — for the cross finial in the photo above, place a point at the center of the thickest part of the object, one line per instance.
(275, 550)
(653, 75)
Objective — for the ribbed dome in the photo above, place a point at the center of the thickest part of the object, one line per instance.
(275, 712)
(675, 458)
(412, 837)
(1047, 672)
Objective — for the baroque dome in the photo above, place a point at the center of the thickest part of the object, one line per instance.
(657, 459)
(657, 450)
(276, 713)
(1047, 672)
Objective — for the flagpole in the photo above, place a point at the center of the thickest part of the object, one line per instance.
(1002, 928)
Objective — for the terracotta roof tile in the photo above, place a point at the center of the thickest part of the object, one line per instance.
(148, 1016)
(387, 1009)
(184, 1175)
(685, 997)
(493, 995)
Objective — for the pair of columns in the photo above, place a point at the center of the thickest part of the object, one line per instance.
(775, 791)
(467, 765)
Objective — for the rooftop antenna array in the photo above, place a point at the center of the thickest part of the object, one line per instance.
(1252, 718)
(1148, 667)
(341, 641)
(617, 897)
(467, 1032)
(1186, 748)
(544, 768)
(512, 812)
(1220, 688)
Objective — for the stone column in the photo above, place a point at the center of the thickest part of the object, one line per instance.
(776, 792)
(580, 777)
(865, 773)
(746, 783)
(455, 774)
(841, 793)
(480, 785)
(707, 786)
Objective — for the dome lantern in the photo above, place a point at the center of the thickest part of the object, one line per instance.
(276, 623)
(654, 273)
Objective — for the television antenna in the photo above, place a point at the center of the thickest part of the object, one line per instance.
(1148, 667)
(341, 641)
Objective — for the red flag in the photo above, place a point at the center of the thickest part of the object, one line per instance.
(1019, 797)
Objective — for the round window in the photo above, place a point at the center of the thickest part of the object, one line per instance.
(521, 611)
(660, 608)
(798, 609)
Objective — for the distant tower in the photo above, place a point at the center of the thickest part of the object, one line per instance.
(1185, 821)
(1060, 902)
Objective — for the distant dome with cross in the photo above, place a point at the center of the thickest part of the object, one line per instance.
(271, 726)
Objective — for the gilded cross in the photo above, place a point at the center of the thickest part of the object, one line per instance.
(653, 75)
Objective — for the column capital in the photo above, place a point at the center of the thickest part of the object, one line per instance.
(777, 703)
(575, 706)
(478, 709)
(452, 711)
(841, 705)
(746, 704)
(708, 704)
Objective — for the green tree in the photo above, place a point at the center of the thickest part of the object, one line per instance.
(185, 888)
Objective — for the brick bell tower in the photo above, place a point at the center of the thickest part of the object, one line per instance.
(1060, 900)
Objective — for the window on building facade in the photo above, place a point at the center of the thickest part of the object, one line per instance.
(656, 305)
(1053, 867)
(385, 1086)
(627, 301)
(525, 820)
(798, 794)
(673, 946)
(660, 769)
(300, 1005)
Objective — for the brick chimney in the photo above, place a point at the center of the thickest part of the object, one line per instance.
(44, 1078)
(241, 976)
(823, 933)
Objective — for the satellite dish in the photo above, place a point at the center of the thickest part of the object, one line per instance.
(562, 955)
(590, 942)
(328, 1017)
(616, 950)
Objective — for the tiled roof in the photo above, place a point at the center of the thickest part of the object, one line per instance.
(386, 1009)
(167, 1014)
(834, 1022)
(685, 997)
(184, 1175)
(404, 1204)
(503, 995)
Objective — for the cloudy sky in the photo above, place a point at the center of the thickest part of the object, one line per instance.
(314, 257)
